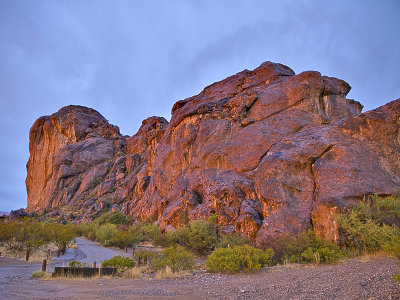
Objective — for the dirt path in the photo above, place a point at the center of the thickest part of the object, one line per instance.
(90, 252)
(351, 279)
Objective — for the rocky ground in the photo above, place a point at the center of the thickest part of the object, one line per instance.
(365, 278)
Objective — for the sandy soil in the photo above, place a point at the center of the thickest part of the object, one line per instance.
(350, 279)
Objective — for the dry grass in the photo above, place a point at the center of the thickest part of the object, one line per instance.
(370, 256)
(167, 273)
(137, 272)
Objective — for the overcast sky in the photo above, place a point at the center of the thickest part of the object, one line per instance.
(134, 59)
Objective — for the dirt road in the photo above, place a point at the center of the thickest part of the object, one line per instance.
(90, 252)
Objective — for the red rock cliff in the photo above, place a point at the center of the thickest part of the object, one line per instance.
(269, 151)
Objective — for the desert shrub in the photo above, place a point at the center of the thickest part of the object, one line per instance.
(202, 237)
(385, 209)
(38, 274)
(145, 232)
(120, 262)
(91, 235)
(308, 248)
(106, 233)
(81, 229)
(180, 236)
(396, 277)
(175, 257)
(76, 264)
(117, 218)
(85, 230)
(8, 233)
(365, 227)
(199, 236)
(144, 256)
(232, 240)
(122, 239)
(102, 219)
(238, 258)
(392, 246)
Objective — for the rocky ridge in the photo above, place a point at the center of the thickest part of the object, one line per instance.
(268, 151)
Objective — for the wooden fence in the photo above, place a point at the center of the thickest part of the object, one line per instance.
(83, 272)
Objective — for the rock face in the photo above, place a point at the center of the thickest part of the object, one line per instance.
(268, 151)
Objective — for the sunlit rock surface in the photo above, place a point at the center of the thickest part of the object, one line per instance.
(268, 151)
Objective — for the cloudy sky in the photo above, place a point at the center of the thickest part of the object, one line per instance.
(134, 59)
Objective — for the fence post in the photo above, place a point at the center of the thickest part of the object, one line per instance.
(44, 265)
(94, 265)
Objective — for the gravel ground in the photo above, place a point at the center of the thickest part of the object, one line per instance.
(351, 279)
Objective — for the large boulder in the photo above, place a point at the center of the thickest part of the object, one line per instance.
(268, 151)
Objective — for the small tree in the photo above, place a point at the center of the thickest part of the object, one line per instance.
(106, 233)
(62, 236)
(30, 235)
(8, 233)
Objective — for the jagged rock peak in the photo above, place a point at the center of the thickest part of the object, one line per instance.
(269, 151)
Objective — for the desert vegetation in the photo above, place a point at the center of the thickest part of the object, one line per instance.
(372, 226)
(238, 258)
(28, 235)
(368, 227)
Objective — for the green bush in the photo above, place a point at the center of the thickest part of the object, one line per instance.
(106, 233)
(392, 246)
(117, 218)
(232, 240)
(199, 236)
(38, 274)
(146, 232)
(76, 264)
(238, 258)
(177, 258)
(144, 256)
(364, 227)
(120, 262)
(122, 239)
(202, 237)
(396, 277)
(308, 248)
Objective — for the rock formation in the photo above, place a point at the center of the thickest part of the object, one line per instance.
(268, 151)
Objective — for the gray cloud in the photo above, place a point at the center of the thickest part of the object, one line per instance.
(134, 59)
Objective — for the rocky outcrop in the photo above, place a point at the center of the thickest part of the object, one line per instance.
(268, 151)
